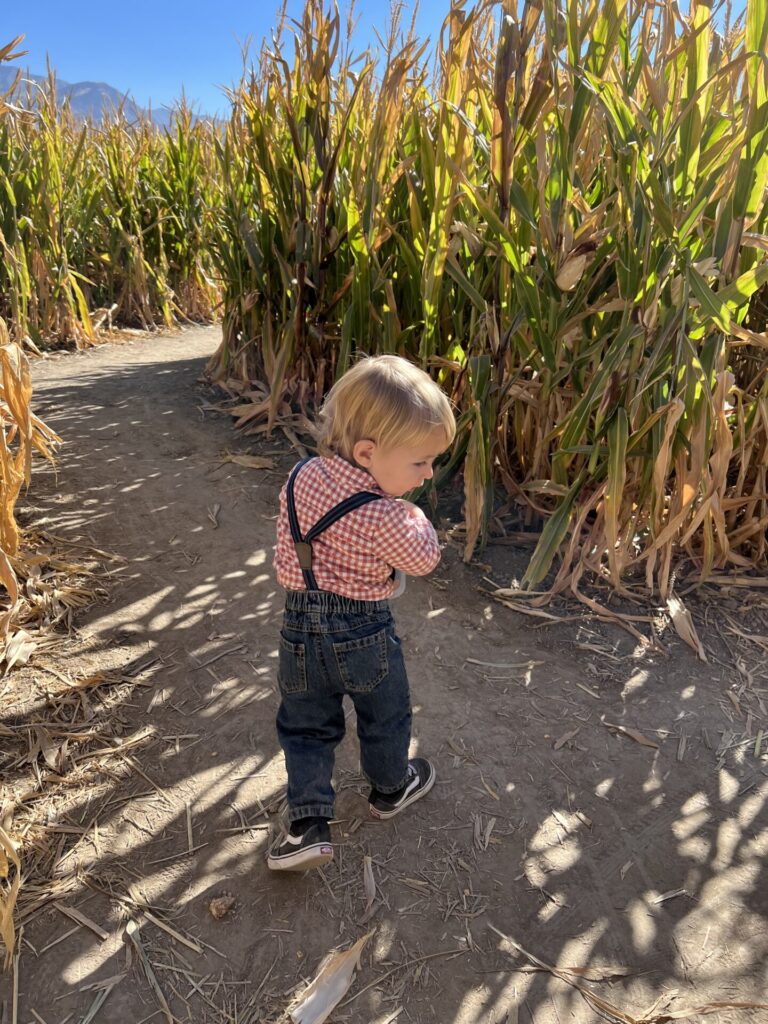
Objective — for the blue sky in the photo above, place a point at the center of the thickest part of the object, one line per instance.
(152, 49)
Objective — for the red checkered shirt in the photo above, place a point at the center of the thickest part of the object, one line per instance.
(354, 557)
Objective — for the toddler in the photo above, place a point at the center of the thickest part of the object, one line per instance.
(345, 537)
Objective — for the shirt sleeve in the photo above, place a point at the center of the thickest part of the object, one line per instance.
(406, 540)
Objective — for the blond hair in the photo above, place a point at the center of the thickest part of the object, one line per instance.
(384, 399)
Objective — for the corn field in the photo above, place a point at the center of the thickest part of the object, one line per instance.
(566, 223)
(101, 222)
(560, 213)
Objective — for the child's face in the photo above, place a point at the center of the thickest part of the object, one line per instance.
(402, 469)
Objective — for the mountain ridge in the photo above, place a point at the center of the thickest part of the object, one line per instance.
(87, 99)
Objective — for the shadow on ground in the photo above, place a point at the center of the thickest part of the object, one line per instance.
(642, 867)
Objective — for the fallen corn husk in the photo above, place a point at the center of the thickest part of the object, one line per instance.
(329, 985)
(683, 623)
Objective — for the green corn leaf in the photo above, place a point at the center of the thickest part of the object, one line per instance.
(552, 536)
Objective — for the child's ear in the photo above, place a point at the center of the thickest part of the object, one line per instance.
(362, 453)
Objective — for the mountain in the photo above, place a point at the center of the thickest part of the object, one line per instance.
(87, 99)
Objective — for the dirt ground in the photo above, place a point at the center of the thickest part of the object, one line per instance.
(645, 867)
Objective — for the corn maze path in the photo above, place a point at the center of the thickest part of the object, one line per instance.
(642, 867)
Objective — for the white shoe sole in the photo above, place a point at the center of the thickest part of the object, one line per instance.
(417, 795)
(311, 857)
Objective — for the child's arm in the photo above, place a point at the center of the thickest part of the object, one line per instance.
(406, 540)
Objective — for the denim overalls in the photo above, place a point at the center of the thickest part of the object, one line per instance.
(332, 645)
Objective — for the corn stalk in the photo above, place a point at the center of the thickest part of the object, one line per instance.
(566, 222)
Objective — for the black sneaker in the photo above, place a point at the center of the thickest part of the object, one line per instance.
(307, 844)
(421, 778)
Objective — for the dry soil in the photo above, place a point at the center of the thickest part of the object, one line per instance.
(644, 864)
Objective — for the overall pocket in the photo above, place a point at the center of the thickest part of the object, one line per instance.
(362, 663)
(292, 667)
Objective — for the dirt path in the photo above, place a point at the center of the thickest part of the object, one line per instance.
(588, 848)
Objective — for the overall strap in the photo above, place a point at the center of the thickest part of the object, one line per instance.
(303, 545)
(333, 515)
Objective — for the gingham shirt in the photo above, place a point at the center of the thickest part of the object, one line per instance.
(354, 557)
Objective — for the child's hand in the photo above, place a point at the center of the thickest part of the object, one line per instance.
(408, 541)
